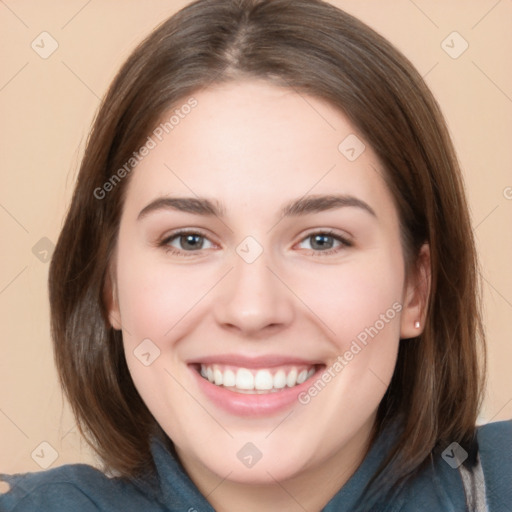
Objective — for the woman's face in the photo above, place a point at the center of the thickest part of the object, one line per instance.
(291, 268)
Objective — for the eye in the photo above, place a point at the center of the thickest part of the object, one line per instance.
(182, 242)
(188, 243)
(325, 242)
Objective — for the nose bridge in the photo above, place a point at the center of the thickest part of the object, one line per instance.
(253, 297)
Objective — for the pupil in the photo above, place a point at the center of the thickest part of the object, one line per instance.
(188, 239)
(317, 240)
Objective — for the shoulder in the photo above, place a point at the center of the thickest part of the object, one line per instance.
(55, 489)
(495, 448)
(440, 486)
(76, 487)
(492, 433)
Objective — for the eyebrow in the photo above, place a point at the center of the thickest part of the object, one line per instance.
(298, 207)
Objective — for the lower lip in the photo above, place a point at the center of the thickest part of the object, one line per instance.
(244, 404)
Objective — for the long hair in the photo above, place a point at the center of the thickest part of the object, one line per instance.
(315, 49)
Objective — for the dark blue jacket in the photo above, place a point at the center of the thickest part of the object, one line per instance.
(439, 488)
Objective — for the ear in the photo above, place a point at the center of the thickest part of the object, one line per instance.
(416, 294)
(111, 300)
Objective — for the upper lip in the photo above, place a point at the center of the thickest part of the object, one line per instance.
(243, 361)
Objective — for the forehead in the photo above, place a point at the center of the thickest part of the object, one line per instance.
(251, 141)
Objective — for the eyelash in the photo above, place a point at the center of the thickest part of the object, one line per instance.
(164, 243)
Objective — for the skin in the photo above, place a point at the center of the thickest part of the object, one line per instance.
(253, 147)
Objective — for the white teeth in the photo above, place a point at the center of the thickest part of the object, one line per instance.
(255, 381)
(263, 380)
(280, 379)
(217, 375)
(291, 379)
(302, 376)
(229, 378)
(244, 379)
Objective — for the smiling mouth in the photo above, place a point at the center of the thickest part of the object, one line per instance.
(257, 381)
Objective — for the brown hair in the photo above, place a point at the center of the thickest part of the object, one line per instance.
(316, 49)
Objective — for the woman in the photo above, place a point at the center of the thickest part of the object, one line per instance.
(265, 295)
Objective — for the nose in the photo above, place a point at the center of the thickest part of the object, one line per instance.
(253, 300)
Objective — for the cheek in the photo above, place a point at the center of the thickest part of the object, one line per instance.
(157, 302)
(363, 317)
(154, 298)
(356, 296)
(360, 305)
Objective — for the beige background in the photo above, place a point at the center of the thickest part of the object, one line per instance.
(47, 105)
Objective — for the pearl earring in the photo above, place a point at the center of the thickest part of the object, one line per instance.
(417, 324)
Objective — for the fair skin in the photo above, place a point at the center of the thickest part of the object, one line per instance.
(254, 147)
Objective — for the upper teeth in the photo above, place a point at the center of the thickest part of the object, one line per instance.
(260, 380)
